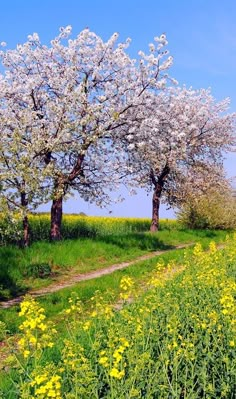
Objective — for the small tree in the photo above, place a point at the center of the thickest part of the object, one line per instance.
(78, 96)
(184, 132)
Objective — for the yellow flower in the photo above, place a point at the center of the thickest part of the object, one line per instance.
(117, 356)
(94, 313)
(40, 378)
(124, 342)
(47, 385)
(86, 325)
(116, 373)
(34, 340)
(26, 353)
(126, 283)
(103, 361)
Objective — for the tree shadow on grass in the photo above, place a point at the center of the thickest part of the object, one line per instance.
(148, 242)
(10, 276)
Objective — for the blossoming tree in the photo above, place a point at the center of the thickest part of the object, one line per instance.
(73, 99)
(181, 140)
(24, 182)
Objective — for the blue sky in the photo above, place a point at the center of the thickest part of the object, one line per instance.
(201, 35)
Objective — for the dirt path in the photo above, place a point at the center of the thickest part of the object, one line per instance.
(71, 281)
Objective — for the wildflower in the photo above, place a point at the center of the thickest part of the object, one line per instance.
(46, 384)
(34, 328)
(117, 355)
(116, 373)
(94, 313)
(26, 353)
(103, 361)
(126, 285)
(197, 251)
(75, 305)
(212, 247)
(86, 325)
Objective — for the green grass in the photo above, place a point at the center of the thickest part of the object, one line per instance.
(44, 262)
(54, 303)
(17, 266)
(108, 286)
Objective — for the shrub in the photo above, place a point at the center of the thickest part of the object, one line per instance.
(212, 210)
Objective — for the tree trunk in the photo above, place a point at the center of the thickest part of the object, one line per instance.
(26, 235)
(61, 184)
(25, 221)
(156, 199)
(155, 208)
(56, 219)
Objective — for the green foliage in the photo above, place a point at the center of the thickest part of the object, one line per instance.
(212, 210)
(10, 228)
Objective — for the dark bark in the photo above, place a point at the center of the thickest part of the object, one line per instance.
(56, 219)
(56, 208)
(156, 198)
(26, 233)
(61, 185)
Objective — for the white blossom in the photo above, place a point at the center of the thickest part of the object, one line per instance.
(182, 134)
(65, 110)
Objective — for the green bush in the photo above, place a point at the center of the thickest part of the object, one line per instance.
(212, 210)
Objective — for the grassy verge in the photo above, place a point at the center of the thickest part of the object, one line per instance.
(43, 263)
(109, 285)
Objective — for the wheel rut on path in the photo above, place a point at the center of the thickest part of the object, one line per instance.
(73, 280)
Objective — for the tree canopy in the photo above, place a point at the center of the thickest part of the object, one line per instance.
(61, 106)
